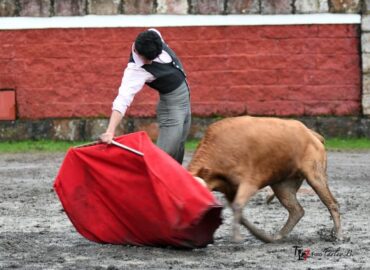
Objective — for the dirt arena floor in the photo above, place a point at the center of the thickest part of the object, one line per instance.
(36, 234)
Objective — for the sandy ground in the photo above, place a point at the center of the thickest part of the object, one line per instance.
(36, 234)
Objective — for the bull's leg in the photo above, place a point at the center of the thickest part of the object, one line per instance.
(286, 192)
(270, 195)
(317, 179)
(260, 234)
(244, 193)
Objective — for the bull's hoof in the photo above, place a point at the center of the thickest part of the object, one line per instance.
(269, 198)
(277, 238)
(338, 236)
(237, 239)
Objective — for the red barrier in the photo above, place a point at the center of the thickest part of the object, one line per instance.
(290, 70)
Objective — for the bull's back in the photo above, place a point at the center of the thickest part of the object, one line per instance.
(253, 133)
(257, 143)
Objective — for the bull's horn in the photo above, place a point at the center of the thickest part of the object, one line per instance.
(201, 181)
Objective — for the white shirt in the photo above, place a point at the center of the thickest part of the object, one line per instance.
(134, 78)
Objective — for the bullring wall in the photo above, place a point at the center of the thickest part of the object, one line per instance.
(60, 74)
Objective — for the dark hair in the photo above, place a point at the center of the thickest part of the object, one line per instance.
(148, 44)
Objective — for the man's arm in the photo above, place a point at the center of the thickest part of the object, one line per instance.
(133, 81)
(114, 121)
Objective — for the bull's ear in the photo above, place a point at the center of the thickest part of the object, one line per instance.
(204, 172)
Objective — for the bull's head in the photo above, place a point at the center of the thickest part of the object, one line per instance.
(215, 182)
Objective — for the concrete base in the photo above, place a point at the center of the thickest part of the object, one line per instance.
(90, 129)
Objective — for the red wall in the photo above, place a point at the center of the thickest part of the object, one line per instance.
(257, 70)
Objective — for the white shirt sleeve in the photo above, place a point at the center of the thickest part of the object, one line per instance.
(133, 81)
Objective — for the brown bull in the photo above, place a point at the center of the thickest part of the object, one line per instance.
(238, 156)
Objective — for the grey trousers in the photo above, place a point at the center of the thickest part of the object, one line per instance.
(174, 119)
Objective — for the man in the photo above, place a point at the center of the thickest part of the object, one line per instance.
(153, 63)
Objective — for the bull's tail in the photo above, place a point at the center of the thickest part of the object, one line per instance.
(258, 233)
(318, 136)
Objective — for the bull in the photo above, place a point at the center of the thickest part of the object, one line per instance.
(241, 155)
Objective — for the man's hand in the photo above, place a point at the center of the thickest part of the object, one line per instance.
(114, 120)
(107, 137)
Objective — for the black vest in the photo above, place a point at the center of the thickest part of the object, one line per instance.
(168, 76)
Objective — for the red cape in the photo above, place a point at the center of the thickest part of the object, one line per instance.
(115, 196)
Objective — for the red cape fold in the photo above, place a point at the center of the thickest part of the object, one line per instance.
(115, 196)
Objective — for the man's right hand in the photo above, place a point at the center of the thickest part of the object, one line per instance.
(114, 120)
(107, 137)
